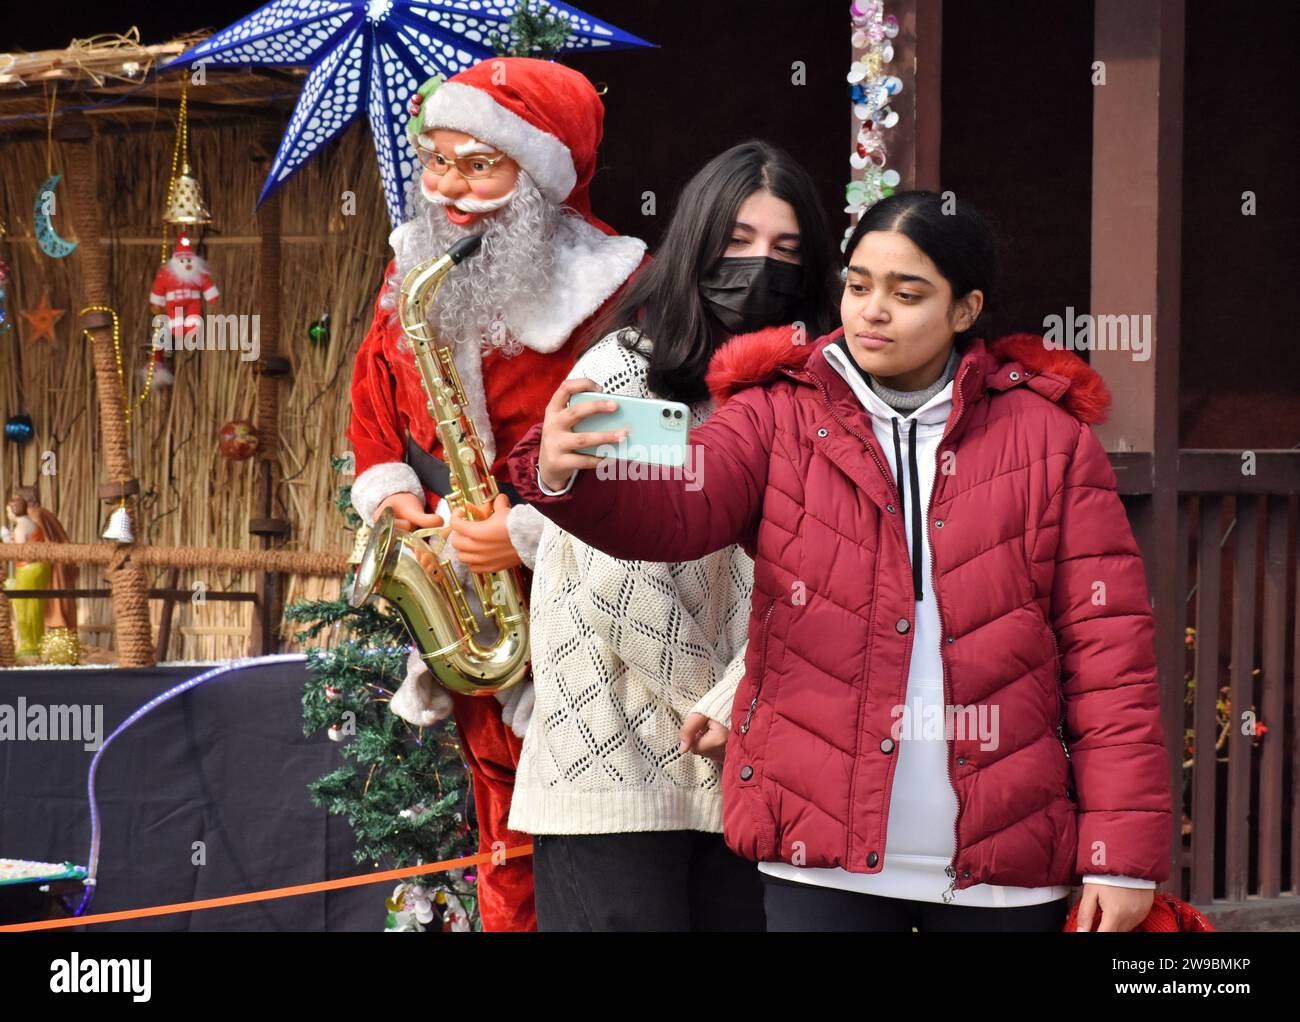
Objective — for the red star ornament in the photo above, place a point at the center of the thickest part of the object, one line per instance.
(42, 320)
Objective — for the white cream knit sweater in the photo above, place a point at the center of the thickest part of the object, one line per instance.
(622, 651)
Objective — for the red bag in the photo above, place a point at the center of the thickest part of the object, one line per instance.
(1168, 915)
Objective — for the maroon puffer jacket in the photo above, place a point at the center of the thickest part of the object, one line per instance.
(1041, 594)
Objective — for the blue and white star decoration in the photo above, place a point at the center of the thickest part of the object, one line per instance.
(376, 53)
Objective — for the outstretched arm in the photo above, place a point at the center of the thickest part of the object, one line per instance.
(714, 502)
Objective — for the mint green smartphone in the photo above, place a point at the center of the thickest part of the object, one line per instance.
(657, 430)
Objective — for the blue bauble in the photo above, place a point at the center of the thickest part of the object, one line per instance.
(19, 429)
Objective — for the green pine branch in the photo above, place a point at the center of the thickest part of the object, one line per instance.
(536, 30)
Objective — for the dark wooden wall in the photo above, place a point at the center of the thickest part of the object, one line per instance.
(1240, 364)
(1017, 129)
(1017, 124)
(721, 75)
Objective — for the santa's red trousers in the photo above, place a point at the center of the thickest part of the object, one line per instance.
(491, 749)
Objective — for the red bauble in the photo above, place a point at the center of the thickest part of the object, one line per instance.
(238, 440)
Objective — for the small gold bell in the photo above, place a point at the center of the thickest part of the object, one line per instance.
(186, 205)
(119, 527)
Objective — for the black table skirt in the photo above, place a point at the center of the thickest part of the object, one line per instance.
(225, 763)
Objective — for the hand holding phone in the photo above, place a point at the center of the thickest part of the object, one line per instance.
(559, 454)
(656, 430)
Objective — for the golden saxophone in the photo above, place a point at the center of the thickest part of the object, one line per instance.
(433, 606)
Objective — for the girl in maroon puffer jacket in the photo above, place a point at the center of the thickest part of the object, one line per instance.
(949, 712)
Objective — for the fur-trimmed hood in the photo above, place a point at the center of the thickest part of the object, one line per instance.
(750, 360)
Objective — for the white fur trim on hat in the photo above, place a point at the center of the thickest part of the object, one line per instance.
(381, 481)
(549, 162)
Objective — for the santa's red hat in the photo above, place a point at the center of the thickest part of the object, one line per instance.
(547, 117)
(184, 247)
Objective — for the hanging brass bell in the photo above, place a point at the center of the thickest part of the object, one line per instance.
(186, 205)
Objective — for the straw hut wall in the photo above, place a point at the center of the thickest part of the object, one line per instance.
(332, 261)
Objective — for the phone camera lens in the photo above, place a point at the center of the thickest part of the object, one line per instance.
(677, 414)
(667, 412)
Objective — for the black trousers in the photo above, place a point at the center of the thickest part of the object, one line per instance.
(678, 880)
(792, 906)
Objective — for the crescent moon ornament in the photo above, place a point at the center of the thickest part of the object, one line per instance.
(46, 236)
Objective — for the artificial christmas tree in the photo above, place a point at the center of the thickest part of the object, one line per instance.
(406, 790)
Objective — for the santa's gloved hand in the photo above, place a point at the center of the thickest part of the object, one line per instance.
(6, 534)
(421, 700)
(516, 706)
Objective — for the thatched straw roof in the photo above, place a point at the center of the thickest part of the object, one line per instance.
(116, 81)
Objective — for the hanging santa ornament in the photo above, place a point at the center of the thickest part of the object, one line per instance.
(180, 288)
(238, 440)
(183, 281)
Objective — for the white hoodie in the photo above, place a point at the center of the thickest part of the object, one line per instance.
(921, 830)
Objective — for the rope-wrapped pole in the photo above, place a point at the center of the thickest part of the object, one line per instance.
(131, 614)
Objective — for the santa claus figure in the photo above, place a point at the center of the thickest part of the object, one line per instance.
(507, 151)
(179, 290)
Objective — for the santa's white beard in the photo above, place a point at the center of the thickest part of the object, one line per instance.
(513, 266)
(197, 271)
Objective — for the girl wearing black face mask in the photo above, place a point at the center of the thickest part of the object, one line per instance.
(747, 293)
(626, 821)
(748, 246)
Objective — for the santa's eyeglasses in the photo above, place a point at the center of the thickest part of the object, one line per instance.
(473, 167)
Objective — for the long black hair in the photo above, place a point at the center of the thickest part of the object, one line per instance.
(956, 237)
(663, 302)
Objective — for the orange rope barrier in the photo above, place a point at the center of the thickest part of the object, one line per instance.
(269, 895)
